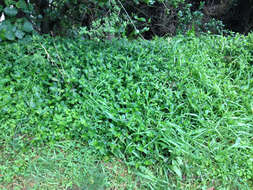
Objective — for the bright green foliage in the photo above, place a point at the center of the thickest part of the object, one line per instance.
(184, 104)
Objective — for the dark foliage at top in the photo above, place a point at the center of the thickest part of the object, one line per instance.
(105, 19)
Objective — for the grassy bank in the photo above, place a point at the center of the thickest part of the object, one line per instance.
(174, 113)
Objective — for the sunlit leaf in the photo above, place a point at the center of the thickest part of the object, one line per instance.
(21, 5)
(19, 34)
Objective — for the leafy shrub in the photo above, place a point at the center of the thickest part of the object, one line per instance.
(14, 28)
(104, 19)
(185, 103)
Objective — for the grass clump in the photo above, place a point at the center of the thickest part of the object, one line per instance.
(178, 111)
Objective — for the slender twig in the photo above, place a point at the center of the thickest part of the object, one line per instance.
(51, 60)
(130, 19)
(58, 55)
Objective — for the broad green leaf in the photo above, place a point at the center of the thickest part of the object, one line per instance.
(9, 26)
(21, 5)
(10, 35)
(27, 27)
(7, 30)
(19, 34)
(11, 11)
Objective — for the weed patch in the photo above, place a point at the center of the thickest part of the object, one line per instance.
(181, 110)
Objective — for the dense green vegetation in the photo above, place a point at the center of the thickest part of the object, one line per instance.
(106, 19)
(177, 112)
(87, 108)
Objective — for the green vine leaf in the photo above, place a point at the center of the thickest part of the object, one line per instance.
(27, 27)
(19, 34)
(10, 35)
(10, 11)
(21, 5)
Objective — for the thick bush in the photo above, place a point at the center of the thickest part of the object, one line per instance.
(115, 19)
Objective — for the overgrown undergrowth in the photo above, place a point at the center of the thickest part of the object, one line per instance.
(178, 110)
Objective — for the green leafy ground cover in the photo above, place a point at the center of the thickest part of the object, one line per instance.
(177, 113)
